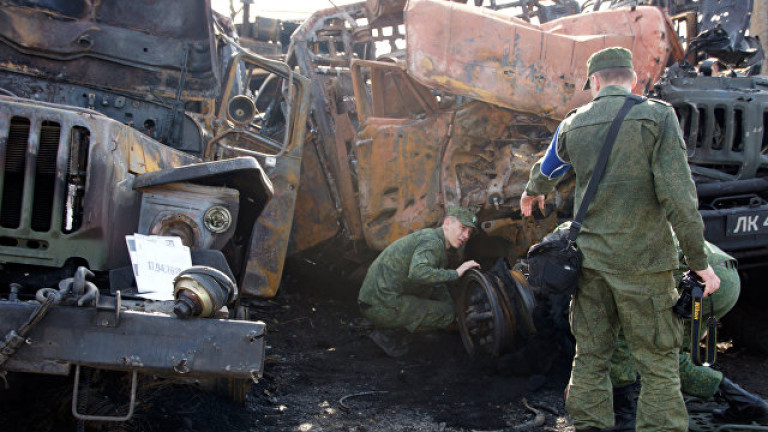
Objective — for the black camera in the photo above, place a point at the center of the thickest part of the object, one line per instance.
(689, 281)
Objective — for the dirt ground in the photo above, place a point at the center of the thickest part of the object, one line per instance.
(323, 374)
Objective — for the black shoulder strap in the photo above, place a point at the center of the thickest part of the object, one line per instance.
(602, 160)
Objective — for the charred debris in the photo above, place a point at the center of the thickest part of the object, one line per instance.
(321, 142)
(408, 118)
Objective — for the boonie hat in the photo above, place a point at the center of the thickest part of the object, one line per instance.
(607, 58)
(466, 217)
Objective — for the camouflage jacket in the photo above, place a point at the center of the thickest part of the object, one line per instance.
(720, 261)
(646, 187)
(407, 266)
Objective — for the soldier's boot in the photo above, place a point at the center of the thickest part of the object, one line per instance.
(624, 408)
(743, 406)
(393, 342)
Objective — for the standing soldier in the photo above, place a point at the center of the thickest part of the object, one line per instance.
(405, 288)
(700, 381)
(627, 246)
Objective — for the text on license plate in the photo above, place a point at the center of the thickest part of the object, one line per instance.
(747, 223)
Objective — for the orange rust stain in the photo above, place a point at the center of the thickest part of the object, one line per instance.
(539, 69)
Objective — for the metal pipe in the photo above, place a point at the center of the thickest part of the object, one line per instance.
(131, 403)
(715, 189)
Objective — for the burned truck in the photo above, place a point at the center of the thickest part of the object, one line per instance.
(409, 118)
(121, 118)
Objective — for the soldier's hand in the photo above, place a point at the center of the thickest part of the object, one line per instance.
(466, 266)
(710, 279)
(526, 203)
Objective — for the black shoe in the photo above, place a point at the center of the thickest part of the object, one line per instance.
(743, 406)
(394, 343)
(625, 408)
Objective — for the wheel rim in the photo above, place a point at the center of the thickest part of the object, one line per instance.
(482, 324)
(495, 311)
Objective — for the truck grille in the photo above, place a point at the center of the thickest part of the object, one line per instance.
(723, 121)
(45, 176)
(33, 151)
(714, 136)
(18, 135)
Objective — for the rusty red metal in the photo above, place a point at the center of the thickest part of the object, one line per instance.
(417, 154)
(399, 153)
(385, 9)
(390, 163)
(540, 69)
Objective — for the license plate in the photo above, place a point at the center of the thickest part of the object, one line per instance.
(747, 223)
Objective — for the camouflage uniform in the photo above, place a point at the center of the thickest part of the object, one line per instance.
(629, 253)
(699, 381)
(405, 285)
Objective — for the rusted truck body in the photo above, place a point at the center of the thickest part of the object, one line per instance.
(119, 118)
(409, 118)
(511, 63)
(450, 114)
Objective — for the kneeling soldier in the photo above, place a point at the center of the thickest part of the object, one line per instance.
(405, 289)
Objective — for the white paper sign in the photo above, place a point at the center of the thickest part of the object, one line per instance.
(157, 260)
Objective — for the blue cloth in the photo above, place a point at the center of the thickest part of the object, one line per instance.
(552, 166)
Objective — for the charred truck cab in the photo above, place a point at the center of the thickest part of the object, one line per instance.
(723, 121)
(721, 100)
(119, 118)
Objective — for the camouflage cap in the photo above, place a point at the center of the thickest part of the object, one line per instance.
(466, 217)
(614, 57)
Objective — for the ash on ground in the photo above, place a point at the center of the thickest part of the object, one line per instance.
(322, 373)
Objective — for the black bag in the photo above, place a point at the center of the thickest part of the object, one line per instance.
(554, 264)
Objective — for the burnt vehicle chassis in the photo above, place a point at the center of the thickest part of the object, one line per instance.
(106, 131)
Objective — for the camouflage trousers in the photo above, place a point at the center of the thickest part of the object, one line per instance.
(642, 306)
(415, 314)
(699, 381)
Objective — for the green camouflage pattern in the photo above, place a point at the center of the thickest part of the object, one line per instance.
(699, 381)
(642, 306)
(629, 254)
(647, 187)
(416, 314)
(607, 58)
(405, 285)
(466, 217)
(623, 369)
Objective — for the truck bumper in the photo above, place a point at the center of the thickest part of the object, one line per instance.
(134, 341)
(740, 231)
